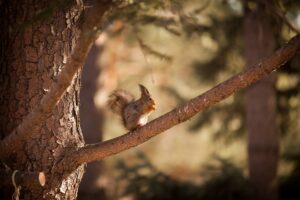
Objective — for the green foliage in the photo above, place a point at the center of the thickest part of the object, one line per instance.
(168, 15)
(231, 115)
(224, 27)
(290, 185)
(221, 180)
(288, 97)
(228, 37)
(146, 182)
(291, 6)
(225, 32)
(225, 181)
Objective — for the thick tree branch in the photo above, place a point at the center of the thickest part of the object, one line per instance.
(36, 179)
(189, 109)
(27, 129)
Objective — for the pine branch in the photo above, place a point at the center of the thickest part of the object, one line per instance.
(148, 50)
(187, 110)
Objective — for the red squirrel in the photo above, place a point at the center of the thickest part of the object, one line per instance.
(134, 113)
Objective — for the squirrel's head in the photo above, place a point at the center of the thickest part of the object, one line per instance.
(148, 102)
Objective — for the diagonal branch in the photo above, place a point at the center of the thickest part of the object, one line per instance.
(27, 129)
(187, 110)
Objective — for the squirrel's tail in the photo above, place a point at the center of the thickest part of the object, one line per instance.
(118, 100)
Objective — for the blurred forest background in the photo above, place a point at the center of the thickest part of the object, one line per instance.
(180, 49)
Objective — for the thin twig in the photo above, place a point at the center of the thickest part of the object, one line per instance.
(277, 9)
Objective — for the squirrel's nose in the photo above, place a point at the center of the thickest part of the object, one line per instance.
(153, 106)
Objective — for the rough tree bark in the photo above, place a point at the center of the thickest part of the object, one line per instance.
(33, 53)
(263, 141)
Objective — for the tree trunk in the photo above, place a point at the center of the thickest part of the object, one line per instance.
(92, 124)
(33, 52)
(260, 107)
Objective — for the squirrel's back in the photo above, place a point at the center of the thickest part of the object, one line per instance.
(118, 100)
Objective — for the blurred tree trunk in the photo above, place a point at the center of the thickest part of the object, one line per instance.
(261, 106)
(32, 53)
(91, 120)
(99, 79)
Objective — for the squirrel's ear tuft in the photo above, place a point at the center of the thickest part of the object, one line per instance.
(144, 90)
